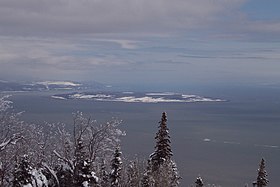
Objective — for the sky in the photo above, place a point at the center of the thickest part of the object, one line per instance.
(141, 42)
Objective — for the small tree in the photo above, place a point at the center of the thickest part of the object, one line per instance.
(11, 132)
(64, 174)
(133, 174)
(22, 173)
(147, 179)
(83, 176)
(104, 176)
(83, 151)
(116, 165)
(198, 182)
(261, 179)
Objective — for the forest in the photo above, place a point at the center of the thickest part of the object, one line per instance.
(87, 154)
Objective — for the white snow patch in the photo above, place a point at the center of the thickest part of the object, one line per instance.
(4, 144)
(161, 93)
(267, 146)
(188, 96)
(85, 184)
(58, 97)
(61, 83)
(27, 185)
(133, 99)
(82, 96)
(207, 140)
(40, 178)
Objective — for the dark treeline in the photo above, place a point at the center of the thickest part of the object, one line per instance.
(48, 155)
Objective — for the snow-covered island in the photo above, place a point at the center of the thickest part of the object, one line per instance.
(47, 86)
(134, 97)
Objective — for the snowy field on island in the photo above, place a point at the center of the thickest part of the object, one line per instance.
(132, 97)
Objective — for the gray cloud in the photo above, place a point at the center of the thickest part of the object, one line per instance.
(55, 58)
(109, 16)
(218, 18)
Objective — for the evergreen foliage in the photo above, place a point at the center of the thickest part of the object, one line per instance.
(104, 176)
(22, 173)
(83, 176)
(161, 169)
(116, 164)
(198, 182)
(147, 180)
(133, 174)
(64, 175)
(261, 179)
(162, 151)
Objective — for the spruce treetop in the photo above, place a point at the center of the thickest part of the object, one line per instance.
(261, 179)
(199, 182)
(163, 150)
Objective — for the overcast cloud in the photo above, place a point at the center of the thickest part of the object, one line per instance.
(139, 40)
(30, 17)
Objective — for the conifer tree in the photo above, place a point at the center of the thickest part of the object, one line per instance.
(65, 175)
(104, 175)
(162, 170)
(261, 179)
(198, 182)
(145, 182)
(116, 164)
(83, 176)
(147, 179)
(162, 149)
(22, 173)
(133, 174)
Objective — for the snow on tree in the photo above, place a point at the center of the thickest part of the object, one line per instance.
(64, 175)
(174, 174)
(199, 182)
(133, 174)
(39, 179)
(100, 139)
(116, 166)
(49, 174)
(104, 176)
(83, 175)
(84, 149)
(4, 103)
(22, 173)
(64, 167)
(165, 175)
(26, 175)
(10, 134)
(19, 138)
(262, 176)
(147, 180)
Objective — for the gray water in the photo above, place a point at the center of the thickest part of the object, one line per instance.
(221, 141)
